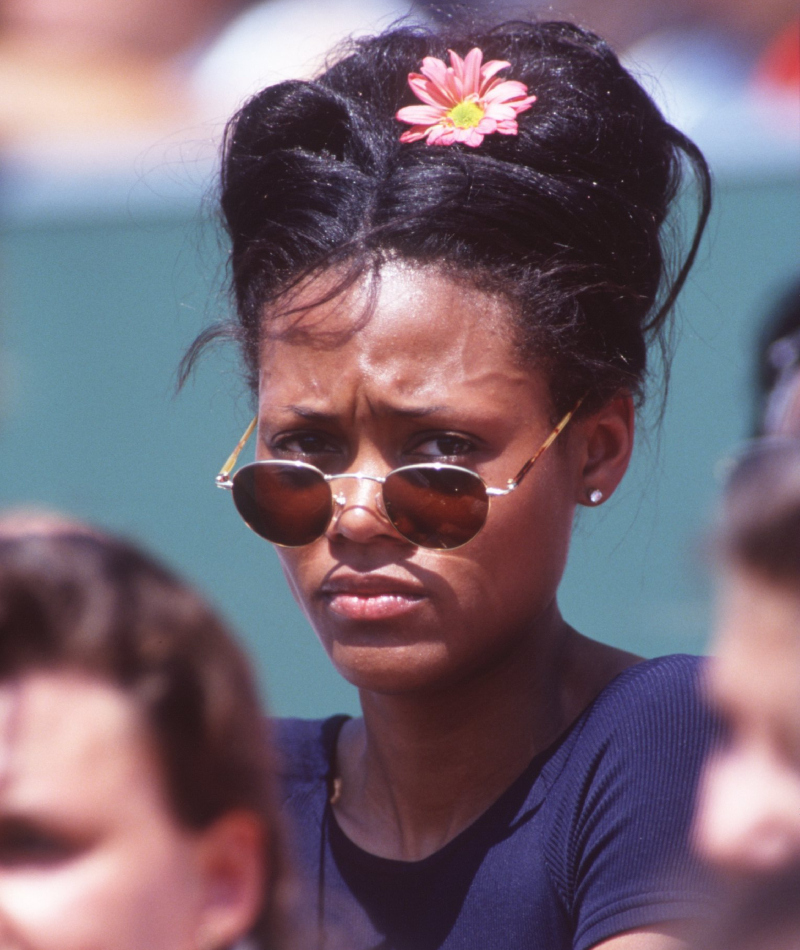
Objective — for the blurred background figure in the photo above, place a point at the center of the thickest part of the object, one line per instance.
(726, 72)
(93, 84)
(748, 818)
(273, 40)
(136, 807)
(778, 369)
(89, 80)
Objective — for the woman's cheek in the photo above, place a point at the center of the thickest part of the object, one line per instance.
(304, 568)
(527, 553)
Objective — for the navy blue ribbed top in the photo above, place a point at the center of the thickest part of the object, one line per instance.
(591, 840)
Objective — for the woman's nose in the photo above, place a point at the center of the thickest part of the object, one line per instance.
(359, 514)
(748, 817)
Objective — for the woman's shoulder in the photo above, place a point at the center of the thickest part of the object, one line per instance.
(654, 710)
(674, 679)
(657, 698)
(306, 747)
(619, 797)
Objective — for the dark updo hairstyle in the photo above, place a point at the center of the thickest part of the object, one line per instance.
(564, 219)
(76, 600)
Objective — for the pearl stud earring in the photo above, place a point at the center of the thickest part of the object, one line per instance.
(596, 497)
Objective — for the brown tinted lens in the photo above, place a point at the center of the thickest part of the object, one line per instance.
(436, 507)
(286, 504)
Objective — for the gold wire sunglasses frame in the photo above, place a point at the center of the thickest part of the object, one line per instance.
(432, 504)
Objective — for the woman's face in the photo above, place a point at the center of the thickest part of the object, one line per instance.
(90, 856)
(431, 376)
(748, 820)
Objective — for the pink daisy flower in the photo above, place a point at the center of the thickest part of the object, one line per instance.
(463, 102)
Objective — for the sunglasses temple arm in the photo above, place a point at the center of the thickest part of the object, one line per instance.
(222, 479)
(545, 445)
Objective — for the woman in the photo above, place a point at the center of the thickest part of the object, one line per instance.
(452, 260)
(136, 803)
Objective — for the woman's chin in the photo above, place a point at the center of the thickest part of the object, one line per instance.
(391, 667)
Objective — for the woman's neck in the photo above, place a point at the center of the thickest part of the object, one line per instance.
(418, 769)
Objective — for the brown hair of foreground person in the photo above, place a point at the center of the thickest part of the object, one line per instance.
(76, 601)
(761, 521)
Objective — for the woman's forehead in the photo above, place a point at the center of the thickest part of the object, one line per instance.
(414, 333)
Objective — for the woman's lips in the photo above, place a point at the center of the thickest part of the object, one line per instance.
(371, 598)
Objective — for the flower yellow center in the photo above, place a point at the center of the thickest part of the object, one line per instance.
(466, 115)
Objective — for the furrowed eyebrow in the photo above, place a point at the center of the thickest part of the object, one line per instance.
(410, 412)
(413, 412)
(313, 414)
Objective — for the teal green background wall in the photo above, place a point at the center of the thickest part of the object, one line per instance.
(96, 310)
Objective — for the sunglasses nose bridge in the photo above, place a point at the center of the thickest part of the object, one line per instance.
(357, 476)
(362, 498)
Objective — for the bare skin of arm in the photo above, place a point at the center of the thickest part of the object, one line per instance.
(667, 937)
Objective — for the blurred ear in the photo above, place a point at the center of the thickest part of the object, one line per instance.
(606, 447)
(234, 878)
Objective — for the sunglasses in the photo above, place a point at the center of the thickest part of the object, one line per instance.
(433, 505)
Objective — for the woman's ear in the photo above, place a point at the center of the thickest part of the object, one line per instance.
(234, 878)
(606, 448)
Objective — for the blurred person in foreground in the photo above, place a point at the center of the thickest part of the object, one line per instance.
(136, 808)
(748, 818)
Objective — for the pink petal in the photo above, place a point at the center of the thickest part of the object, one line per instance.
(487, 125)
(473, 138)
(507, 110)
(441, 136)
(472, 72)
(419, 115)
(435, 70)
(524, 105)
(520, 105)
(509, 89)
(501, 111)
(454, 86)
(415, 134)
(508, 127)
(490, 69)
(456, 64)
(429, 92)
(493, 84)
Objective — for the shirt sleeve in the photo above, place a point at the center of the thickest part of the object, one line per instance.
(619, 850)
